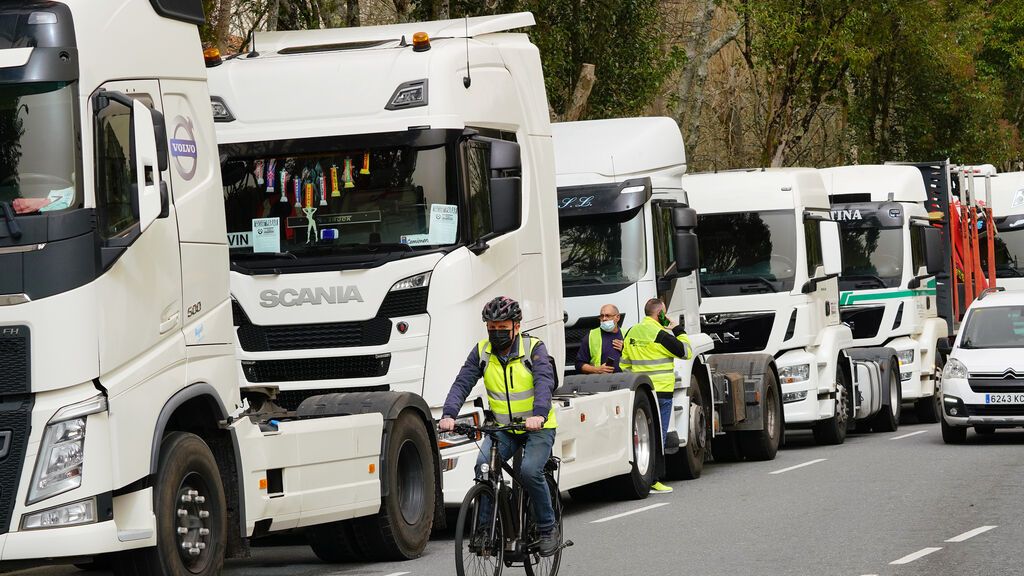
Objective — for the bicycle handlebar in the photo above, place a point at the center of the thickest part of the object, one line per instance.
(468, 429)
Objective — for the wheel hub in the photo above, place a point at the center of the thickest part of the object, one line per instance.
(193, 523)
(698, 429)
(641, 441)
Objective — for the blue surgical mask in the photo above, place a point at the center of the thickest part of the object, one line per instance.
(608, 325)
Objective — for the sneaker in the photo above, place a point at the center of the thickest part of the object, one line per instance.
(549, 542)
(659, 488)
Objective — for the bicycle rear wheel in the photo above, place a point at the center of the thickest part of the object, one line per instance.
(478, 550)
(535, 564)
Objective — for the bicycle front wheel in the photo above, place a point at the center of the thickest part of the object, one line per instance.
(479, 535)
(535, 564)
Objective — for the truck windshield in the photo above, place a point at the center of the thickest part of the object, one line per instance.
(603, 249)
(37, 147)
(747, 252)
(872, 257)
(299, 200)
(994, 327)
(1009, 250)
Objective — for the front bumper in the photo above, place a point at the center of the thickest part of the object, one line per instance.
(971, 409)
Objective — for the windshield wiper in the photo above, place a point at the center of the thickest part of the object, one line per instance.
(584, 280)
(743, 280)
(261, 255)
(871, 277)
(375, 247)
(12, 225)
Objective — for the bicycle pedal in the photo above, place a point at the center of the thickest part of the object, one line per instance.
(567, 544)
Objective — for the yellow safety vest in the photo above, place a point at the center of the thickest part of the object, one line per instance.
(595, 347)
(641, 354)
(510, 387)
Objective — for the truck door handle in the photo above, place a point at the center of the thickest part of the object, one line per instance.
(167, 325)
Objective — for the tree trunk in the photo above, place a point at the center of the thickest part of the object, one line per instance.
(580, 95)
(352, 13)
(223, 27)
(273, 9)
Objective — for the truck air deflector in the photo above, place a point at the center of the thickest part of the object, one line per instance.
(621, 199)
(47, 29)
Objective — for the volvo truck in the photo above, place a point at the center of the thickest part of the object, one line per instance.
(380, 185)
(769, 263)
(619, 187)
(124, 438)
(887, 285)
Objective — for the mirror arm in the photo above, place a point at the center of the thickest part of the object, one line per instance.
(915, 282)
(478, 247)
(812, 283)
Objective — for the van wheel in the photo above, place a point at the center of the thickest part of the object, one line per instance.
(833, 430)
(191, 515)
(764, 444)
(636, 485)
(953, 434)
(688, 463)
(888, 418)
(401, 529)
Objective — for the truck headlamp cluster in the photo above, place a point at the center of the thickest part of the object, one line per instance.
(73, 514)
(417, 281)
(62, 452)
(408, 95)
(954, 369)
(905, 356)
(796, 373)
(221, 112)
(794, 396)
(451, 439)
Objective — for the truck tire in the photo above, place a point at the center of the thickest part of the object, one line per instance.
(188, 494)
(760, 445)
(832, 431)
(401, 529)
(929, 409)
(953, 434)
(888, 418)
(688, 463)
(636, 484)
(335, 542)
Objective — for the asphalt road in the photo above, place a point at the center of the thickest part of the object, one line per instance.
(886, 504)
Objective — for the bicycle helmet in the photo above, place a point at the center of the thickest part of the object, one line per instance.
(502, 308)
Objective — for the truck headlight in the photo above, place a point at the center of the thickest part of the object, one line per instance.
(417, 281)
(797, 373)
(73, 514)
(451, 439)
(905, 356)
(62, 452)
(954, 369)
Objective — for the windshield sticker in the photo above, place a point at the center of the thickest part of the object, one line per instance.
(416, 239)
(444, 223)
(240, 239)
(59, 199)
(337, 219)
(329, 234)
(576, 202)
(843, 215)
(266, 235)
(1018, 199)
(311, 233)
(183, 148)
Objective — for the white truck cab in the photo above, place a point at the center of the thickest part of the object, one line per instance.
(983, 380)
(769, 262)
(887, 290)
(1008, 212)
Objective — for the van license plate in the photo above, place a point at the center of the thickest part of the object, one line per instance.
(1004, 398)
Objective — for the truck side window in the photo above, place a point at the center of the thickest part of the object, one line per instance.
(115, 172)
(478, 185)
(663, 256)
(812, 236)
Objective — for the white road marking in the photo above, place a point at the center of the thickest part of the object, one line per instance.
(908, 435)
(799, 466)
(631, 512)
(970, 534)
(911, 557)
(398, 574)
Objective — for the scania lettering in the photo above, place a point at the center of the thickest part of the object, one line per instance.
(293, 297)
(134, 448)
(431, 188)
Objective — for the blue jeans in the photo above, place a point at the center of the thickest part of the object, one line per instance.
(531, 471)
(665, 407)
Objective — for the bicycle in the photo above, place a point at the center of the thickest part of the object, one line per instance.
(507, 536)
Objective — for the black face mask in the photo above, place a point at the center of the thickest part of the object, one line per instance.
(500, 339)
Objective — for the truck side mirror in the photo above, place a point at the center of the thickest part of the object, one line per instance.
(831, 249)
(934, 255)
(506, 204)
(684, 241)
(504, 154)
(148, 202)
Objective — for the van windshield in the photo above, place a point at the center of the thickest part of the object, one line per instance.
(747, 252)
(994, 327)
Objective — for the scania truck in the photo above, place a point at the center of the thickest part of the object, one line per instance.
(891, 255)
(380, 185)
(123, 433)
(769, 262)
(619, 187)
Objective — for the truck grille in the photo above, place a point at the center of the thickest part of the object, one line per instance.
(290, 399)
(335, 368)
(15, 361)
(372, 332)
(15, 419)
(575, 335)
(404, 303)
(1007, 381)
(864, 321)
(738, 332)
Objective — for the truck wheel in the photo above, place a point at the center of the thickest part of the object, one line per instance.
(688, 463)
(636, 485)
(929, 409)
(402, 527)
(334, 542)
(763, 444)
(191, 515)
(953, 434)
(833, 430)
(726, 448)
(888, 418)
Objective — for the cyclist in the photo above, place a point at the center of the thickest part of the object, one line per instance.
(519, 377)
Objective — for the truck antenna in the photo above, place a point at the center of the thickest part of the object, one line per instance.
(252, 44)
(467, 80)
